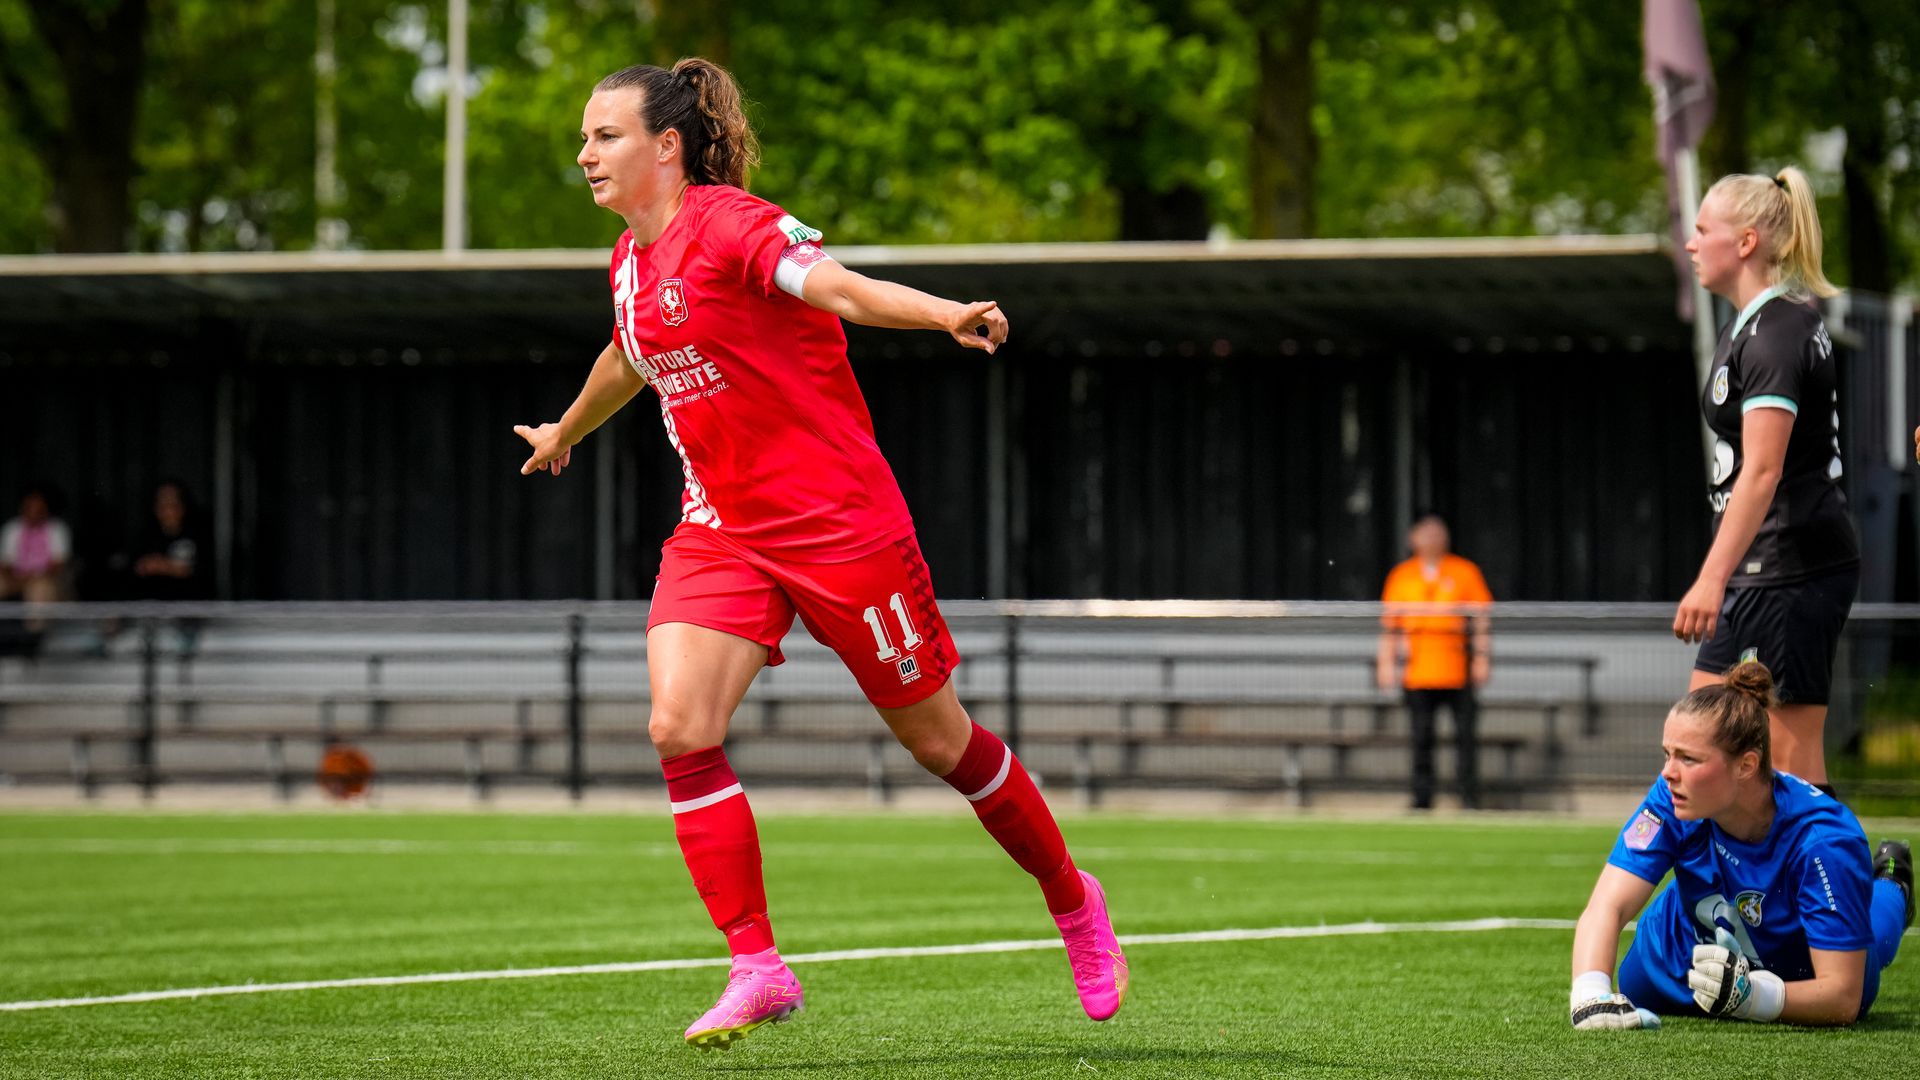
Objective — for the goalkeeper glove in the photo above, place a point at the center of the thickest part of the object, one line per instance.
(1726, 983)
(1595, 1007)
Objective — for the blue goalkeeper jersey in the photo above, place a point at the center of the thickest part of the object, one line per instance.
(1806, 884)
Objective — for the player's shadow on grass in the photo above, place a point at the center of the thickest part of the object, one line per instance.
(1249, 1058)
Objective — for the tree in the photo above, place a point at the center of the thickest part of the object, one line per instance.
(928, 121)
(79, 118)
(1284, 153)
(1496, 117)
(1835, 89)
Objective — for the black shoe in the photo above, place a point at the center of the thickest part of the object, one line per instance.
(1894, 861)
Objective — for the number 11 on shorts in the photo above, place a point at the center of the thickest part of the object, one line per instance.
(882, 641)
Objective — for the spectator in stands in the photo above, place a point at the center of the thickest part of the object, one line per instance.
(170, 561)
(1441, 665)
(35, 549)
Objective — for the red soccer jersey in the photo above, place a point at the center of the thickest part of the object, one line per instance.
(755, 391)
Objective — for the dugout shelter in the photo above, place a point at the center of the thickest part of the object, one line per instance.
(1245, 420)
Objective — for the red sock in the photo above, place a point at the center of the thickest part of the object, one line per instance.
(722, 848)
(1011, 808)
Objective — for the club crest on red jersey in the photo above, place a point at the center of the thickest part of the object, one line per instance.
(673, 302)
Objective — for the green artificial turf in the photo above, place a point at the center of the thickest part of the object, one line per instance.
(105, 904)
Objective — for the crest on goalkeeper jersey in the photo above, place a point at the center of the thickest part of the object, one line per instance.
(1642, 830)
(1748, 904)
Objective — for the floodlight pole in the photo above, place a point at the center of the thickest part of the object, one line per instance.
(453, 207)
(329, 231)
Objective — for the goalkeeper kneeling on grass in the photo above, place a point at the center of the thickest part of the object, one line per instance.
(1776, 911)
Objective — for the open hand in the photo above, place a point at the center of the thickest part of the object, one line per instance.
(551, 451)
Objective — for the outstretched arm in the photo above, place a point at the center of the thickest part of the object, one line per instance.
(611, 384)
(861, 299)
(1617, 897)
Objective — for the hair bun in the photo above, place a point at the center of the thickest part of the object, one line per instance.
(1751, 677)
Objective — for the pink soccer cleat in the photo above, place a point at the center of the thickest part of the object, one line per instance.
(761, 989)
(1099, 967)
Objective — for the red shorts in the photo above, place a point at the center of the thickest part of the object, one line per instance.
(876, 611)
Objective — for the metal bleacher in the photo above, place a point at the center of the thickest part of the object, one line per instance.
(1255, 697)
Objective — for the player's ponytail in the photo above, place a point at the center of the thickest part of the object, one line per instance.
(725, 147)
(1781, 209)
(701, 101)
(1798, 250)
(1737, 711)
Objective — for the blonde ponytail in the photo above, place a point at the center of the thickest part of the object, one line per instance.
(1781, 209)
(1798, 250)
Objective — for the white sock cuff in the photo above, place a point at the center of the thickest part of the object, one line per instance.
(702, 802)
(1006, 766)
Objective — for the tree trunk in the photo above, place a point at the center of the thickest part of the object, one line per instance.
(1863, 168)
(89, 157)
(1735, 28)
(682, 29)
(1285, 151)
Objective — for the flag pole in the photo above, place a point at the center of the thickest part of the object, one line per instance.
(1686, 164)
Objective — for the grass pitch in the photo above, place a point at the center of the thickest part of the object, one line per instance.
(109, 904)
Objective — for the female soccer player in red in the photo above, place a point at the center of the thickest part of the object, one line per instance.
(730, 309)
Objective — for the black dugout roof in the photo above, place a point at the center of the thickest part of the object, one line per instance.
(1524, 294)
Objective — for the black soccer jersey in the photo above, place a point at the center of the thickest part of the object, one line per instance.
(1777, 354)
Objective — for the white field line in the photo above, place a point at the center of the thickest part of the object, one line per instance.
(907, 952)
(943, 852)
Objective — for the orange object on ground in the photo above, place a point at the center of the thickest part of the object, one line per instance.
(345, 771)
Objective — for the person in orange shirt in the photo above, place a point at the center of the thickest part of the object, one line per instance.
(1439, 666)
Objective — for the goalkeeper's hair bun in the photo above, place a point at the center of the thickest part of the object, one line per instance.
(1737, 711)
(1754, 680)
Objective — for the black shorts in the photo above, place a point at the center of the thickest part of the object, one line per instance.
(1794, 629)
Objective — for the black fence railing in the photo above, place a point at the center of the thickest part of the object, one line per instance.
(1254, 696)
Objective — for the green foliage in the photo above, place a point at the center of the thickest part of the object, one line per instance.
(919, 121)
(227, 135)
(1485, 118)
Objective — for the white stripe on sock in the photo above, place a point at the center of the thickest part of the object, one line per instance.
(704, 801)
(1006, 766)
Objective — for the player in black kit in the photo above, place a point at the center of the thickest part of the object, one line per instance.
(1780, 578)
